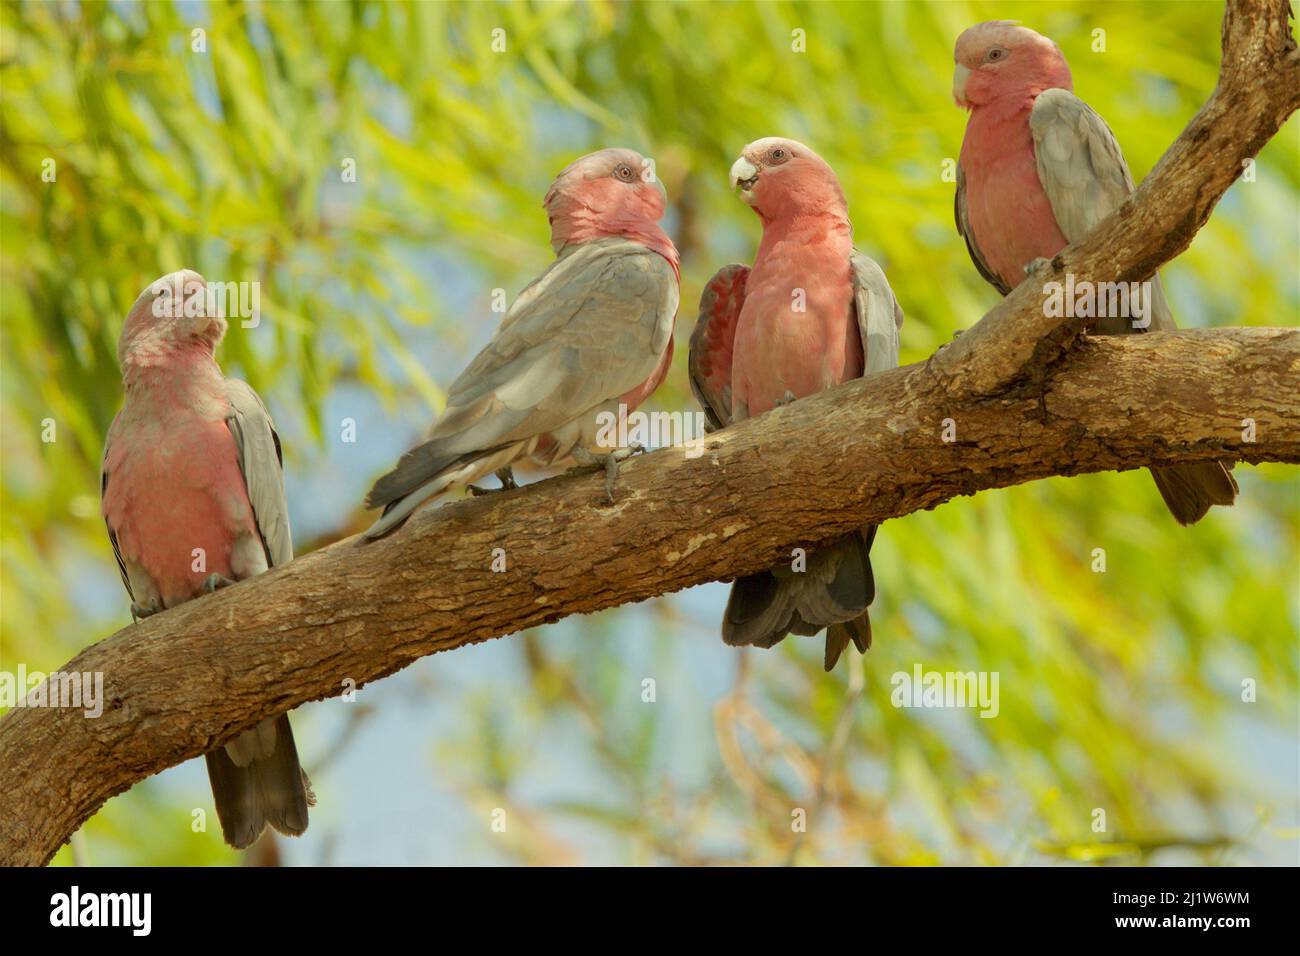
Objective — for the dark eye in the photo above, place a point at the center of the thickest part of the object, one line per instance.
(624, 173)
(995, 54)
(778, 155)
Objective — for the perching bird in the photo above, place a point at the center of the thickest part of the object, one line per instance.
(193, 496)
(1038, 170)
(593, 334)
(810, 314)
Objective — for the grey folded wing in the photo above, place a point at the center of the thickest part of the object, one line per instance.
(1079, 162)
(261, 462)
(594, 326)
(1085, 177)
(879, 315)
(103, 490)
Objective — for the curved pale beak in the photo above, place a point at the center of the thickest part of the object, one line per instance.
(743, 174)
(663, 190)
(960, 74)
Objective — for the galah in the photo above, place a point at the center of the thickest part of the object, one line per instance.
(193, 496)
(1038, 170)
(589, 338)
(810, 314)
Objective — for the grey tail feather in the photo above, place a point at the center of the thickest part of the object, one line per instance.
(837, 638)
(839, 635)
(399, 509)
(417, 467)
(758, 611)
(764, 608)
(1190, 490)
(270, 791)
(414, 480)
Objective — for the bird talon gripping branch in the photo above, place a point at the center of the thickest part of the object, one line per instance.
(609, 461)
(140, 611)
(1038, 266)
(504, 475)
(215, 582)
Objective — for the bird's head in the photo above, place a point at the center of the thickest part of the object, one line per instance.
(781, 177)
(1001, 57)
(612, 187)
(173, 314)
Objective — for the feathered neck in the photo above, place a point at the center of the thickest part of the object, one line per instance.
(575, 223)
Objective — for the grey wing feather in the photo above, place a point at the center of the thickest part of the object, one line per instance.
(594, 326)
(1084, 175)
(879, 315)
(112, 535)
(261, 463)
(962, 216)
(591, 328)
(1079, 162)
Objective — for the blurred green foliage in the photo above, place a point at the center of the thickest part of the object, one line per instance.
(1120, 690)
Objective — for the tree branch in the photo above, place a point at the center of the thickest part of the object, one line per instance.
(178, 684)
(1029, 397)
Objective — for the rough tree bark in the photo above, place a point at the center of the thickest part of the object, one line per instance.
(1029, 397)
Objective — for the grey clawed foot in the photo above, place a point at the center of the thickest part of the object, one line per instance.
(609, 462)
(140, 611)
(785, 399)
(1038, 265)
(612, 461)
(504, 475)
(215, 582)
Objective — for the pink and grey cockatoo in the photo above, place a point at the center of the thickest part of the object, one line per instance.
(193, 496)
(592, 334)
(1039, 170)
(810, 314)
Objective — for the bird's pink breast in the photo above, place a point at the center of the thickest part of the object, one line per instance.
(1010, 215)
(779, 348)
(175, 486)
